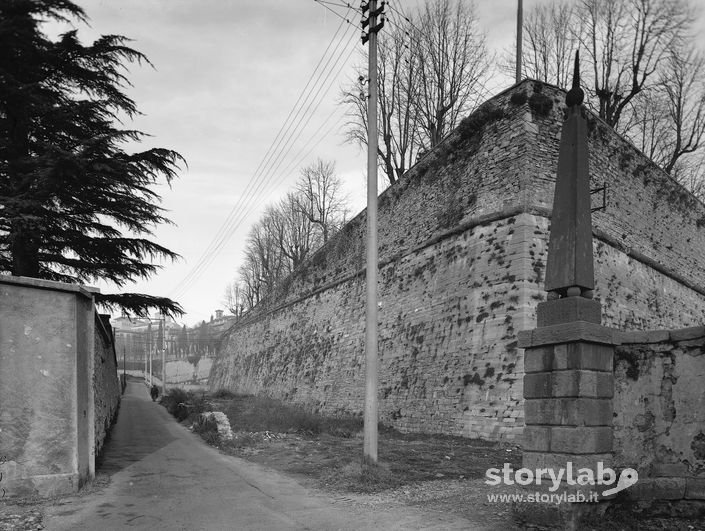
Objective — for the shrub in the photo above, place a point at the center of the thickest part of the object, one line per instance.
(540, 103)
(483, 116)
(259, 413)
(518, 98)
(224, 394)
(182, 404)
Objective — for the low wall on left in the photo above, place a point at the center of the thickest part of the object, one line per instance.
(48, 386)
(106, 384)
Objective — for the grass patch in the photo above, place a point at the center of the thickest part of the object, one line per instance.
(258, 413)
(361, 477)
(223, 394)
(184, 405)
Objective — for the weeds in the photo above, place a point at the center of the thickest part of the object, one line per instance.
(183, 404)
(255, 414)
(223, 394)
(361, 477)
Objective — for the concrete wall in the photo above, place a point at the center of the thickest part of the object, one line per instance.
(659, 405)
(184, 371)
(462, 241)
(47, 418)
(106, 384)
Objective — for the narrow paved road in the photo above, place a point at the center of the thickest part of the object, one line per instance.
(164, 477)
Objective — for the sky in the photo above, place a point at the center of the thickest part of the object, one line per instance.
(226, 75)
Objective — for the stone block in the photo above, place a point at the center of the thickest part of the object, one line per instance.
(581, 355)
(577, 355)
(553, 460)
(567, 332)
(669, 470)
(645, 336)
(695, 488)
(568, 310)
(538, 385)
(569, 411)
(582, 384)
(581, 440)
(538, 359)
(566, 384)
(657, 489)
(552, 515)
(536, 439)
(692, 332)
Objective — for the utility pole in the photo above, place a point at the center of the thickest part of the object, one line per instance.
(371, 416)
(520, 27)
(162, 323)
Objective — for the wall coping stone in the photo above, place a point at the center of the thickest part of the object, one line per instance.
(569, 332)
(86, 291)
(683, 334)
(636, 337)
(645, 336)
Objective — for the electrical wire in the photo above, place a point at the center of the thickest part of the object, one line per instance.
(257, 195)
(272, 158)
(221, 235)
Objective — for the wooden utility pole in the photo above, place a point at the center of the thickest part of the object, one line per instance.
(370, 418)
(520, 25)
(162, 324)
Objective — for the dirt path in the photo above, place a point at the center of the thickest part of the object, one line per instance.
(158, 475)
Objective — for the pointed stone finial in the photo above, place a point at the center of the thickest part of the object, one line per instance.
(569, 268)
(575, 95)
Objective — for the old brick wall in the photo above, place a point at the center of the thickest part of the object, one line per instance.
(462, 250)
(106, 385)
(659, 404)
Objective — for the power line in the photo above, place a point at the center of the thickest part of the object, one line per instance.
(227, 228)
(272, 164)
(224, 229)
(269, 160)
(325, 4)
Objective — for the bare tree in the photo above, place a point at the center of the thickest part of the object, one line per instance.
(550, 40)
(398, 82)
(453, 58)
(294, 231)
(645, 78)
(690, 172)
(320, 198)
(626, 42)
(264, 261)
(683, 82)
(429, 71)
(250, 276)
(667, 121)
(287, 234)
(234, 298)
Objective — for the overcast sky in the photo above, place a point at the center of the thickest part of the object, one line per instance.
(226, 75)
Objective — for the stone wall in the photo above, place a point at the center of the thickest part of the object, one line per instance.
(46, 396)
(462, 239)
(193, 370)
(659, 404)
(59, 389)
(106, 385)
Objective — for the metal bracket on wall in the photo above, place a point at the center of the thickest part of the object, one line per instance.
(602, 189)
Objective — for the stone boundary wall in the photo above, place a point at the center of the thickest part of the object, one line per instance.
(106, 384)
(182, 371)
(59, 389)
(462, 240)
(659, 404)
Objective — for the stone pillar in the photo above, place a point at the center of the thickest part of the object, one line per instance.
(568, 390)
